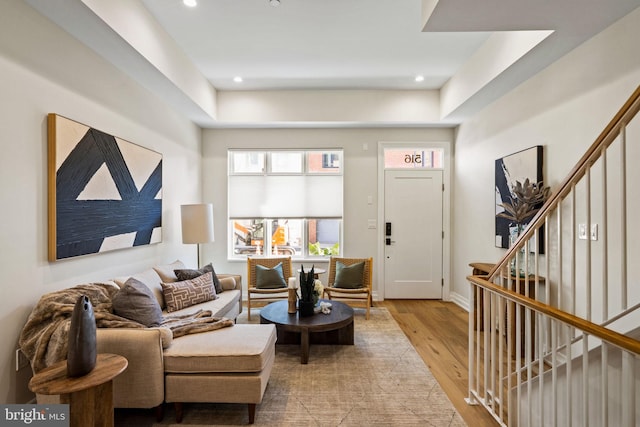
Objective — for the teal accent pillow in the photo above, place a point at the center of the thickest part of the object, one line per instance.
(349, 277)
(270, 278)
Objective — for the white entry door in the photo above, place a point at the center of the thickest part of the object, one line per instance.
(413, 234)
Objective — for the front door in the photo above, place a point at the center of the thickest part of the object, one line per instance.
(413, 234)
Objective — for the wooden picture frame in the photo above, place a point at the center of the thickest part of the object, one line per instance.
(509, 169)
(104, 193)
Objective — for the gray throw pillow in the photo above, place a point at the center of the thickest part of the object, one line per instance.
(187, 274)
(349, 277)
(270, 278)
(136, 302)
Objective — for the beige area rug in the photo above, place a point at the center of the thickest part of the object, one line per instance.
(379, 381)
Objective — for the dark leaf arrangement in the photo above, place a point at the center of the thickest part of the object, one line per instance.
(307, 283)
(526, 201)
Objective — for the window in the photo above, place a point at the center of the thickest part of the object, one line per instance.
(285, 202)
(413, 158)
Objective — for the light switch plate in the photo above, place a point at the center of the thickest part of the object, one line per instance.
(371, 224)
(582, 231)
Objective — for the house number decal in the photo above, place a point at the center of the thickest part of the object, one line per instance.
(413, 158)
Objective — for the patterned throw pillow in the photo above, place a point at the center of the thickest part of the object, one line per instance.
(179, 295)
(187, 274)
(135, 301)
(270, 278)
(349, 277)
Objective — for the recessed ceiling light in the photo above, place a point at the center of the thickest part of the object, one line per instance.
(419, 79)
(190, 3)
(237, 79)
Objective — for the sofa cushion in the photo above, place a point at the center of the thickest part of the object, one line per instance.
(240, 348)
(186, 293)
(166, 271)
(186, 274)
(270, 278)
(136, 302)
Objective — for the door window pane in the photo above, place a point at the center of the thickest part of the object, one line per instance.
(413, 158)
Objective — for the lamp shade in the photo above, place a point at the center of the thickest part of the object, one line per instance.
(197, 223)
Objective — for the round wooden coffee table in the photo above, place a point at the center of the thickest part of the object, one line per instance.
(333, 328)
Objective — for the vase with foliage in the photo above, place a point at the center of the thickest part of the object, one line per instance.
(526, 200)
(307, 285)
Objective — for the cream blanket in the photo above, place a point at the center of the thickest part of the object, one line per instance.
(44, 337)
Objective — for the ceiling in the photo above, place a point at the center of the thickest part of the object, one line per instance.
(332, 44)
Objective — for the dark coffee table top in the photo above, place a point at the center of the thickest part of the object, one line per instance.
(276, 313)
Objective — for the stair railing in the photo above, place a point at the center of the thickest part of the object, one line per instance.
(560, 297)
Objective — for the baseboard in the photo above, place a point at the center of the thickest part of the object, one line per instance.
(459, 300)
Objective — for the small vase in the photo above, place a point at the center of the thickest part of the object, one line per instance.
(305, 308)
(517, 270)
(81, 352)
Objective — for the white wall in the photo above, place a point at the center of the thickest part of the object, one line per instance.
(360, 179)
(563, 108)
(45, 70)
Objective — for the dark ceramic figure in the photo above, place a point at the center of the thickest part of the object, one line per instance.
(81, 354)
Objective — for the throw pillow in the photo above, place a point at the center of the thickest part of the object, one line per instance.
(270, 278)
(166, 273)
(188, 274)
(135, 301)
(183, 294)
(349, 277)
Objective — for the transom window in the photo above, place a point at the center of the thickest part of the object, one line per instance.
(413, 158)
(285, 202)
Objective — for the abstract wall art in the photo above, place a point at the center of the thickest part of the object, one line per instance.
(105, 193)
(509, 169)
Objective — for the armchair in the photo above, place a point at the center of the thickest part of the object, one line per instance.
(257, 292)
(355, 291)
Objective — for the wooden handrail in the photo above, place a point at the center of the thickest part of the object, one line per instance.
(606, 137)
(612, 337)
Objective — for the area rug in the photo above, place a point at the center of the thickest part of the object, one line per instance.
(378, 381)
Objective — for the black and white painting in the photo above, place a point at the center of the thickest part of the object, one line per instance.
(105, 193)
(509, 169)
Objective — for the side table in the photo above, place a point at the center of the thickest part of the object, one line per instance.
(90, 397)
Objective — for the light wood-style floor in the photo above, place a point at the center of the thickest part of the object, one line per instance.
(439, 332)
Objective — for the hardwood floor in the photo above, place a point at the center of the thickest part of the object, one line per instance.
(439, 332)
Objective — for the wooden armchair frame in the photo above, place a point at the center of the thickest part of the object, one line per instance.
(359, 297)
(262, 297)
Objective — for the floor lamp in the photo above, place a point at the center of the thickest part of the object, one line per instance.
(197, 224)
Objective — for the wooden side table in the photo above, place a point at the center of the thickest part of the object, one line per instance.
(90, 397)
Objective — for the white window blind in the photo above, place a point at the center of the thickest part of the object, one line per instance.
(285, 196)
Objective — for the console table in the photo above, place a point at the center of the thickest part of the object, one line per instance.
(90, 397)
(515, 284)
